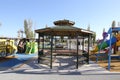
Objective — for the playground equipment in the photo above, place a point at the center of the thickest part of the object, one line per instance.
(31, 47)
(114, 39)
(105, 44)
(26, 46)
(7, 47)
(116, 29)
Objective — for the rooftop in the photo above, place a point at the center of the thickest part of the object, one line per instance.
(64, 28)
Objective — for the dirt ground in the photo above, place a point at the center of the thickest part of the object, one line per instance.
(115, 63)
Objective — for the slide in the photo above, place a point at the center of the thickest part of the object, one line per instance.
(31, 47)
(118, 43)
(105, 44)
(28, 48)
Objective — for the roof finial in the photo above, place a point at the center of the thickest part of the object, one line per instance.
(64, 22)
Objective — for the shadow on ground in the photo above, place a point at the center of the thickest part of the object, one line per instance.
(32, 67)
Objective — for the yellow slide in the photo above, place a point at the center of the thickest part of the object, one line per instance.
(95, 49)
(10, 46)
(118, 43)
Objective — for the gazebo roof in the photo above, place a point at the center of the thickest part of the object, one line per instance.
(64, 22)
(63, 29)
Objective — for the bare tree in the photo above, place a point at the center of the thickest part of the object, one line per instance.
(88, 27)
(118, 24)
(113, 24)
(20, 33)
(103, 29)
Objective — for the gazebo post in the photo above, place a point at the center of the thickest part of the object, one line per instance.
(70, 43)
(88, 48)
(83, 44)
(55, 43)
(38, 48)
(51, 51)
(77, 54)
(43, 43)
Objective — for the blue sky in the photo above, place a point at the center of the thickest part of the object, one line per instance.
(98, 13)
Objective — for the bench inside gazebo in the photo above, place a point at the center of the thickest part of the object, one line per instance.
(63, 28)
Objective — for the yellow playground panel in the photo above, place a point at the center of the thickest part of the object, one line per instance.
(2, 47)
(7, 47)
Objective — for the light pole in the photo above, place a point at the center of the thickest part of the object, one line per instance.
(22, 33)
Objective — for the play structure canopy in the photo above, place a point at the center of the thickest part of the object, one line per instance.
(64, 28)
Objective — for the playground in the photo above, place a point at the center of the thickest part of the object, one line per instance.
(107, 53)
(62, 50)
(26, 67)
(115, 63)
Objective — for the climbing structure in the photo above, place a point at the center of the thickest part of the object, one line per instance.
(110, 31)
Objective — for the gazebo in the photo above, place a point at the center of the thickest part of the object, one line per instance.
(63, 28)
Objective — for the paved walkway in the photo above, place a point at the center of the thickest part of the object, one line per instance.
(63, 69)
